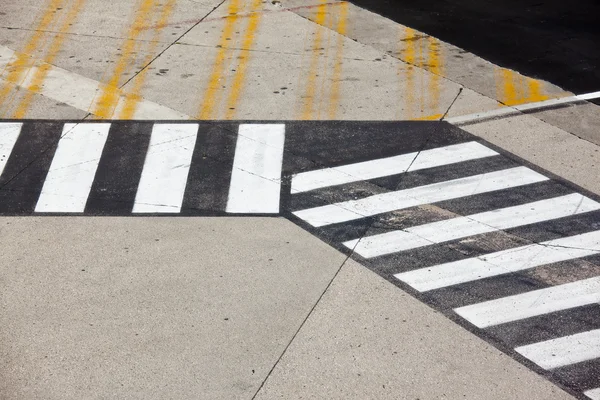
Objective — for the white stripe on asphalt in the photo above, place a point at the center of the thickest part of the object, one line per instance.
(565, 350)
(82, 93)
(311, 180)
(470, 225)
(71, 174)
(256, 176)
(164, 176)
(531, 304)
(502, 262)
(9, 133)
(470, 118)
(381, 203)
(593, 394)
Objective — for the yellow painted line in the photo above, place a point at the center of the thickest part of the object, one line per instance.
(23, 61)
(433, 117)
(42, 71)
(244, 57)
(311, 88)
(435, 66)
(104, 106)
(536, 91)
(334, 98)
(213, 91)
(133, 97)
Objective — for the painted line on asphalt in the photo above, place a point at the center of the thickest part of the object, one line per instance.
(593, 394)
(9, 133)
(530, 304)
(473, 118)
(568, 350)
(392, 201)
(164, 175)
(73, 168)
(256, 176)
(471, 225)
(372, 169)
(502, 262)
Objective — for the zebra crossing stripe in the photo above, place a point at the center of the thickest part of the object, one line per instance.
(593, 394)
(256, 176)
(530, 304)
(461, 227)
(9, 133)
(73, 168)
(567, 350)
(372, 169)
(381, 203)
(164, 175)
(502, 262)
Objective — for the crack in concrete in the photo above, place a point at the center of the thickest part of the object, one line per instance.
(81, 34)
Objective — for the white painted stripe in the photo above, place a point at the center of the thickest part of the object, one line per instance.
(164, 177)
(565, 350)
(531, 304)
(389, 166)
(464, 119)
(81, 92)
(461, 227)
(256, 175)
(9, 133)
(71, 174)
(593, 394)
(381, 203)
(502, 262)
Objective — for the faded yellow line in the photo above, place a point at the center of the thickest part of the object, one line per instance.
(133, 96)
(42, 71)
(311, 87)
(435, 66)
(105, 105)
(23, 61)
(334, 98)
(213, 91)
(409, 57)
(244, 57)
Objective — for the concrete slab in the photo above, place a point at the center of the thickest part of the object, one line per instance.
(389, 346)
(582, 120)
(152, 308)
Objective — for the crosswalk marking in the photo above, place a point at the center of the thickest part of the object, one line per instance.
(564, 351)
(381, 203)
(593, 394)
(256, 176)
(440, 156)
(73, 167)
(530, 304)
(502, 262)
(461, 227)
(164, 175)
(9, 133)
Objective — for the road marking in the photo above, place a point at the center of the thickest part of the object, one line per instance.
(73, 168)
(311, 180)
(531, 304)
(386, 202)
(79, 92)
(506, 111)
(256, 176)
(9, 133)
(164, 176)
(502, 262)
(41, 72)
(470, 225)
(564, 351)
(593, 394)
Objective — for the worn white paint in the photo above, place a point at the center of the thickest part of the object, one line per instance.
(256, 176)
(381, 203)
(502, 262)
(71, 174)
(593, 394)
(531, 304)
(461, 227)
(563, 351)
(166, 167)
(440, 156)
(9, 133)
